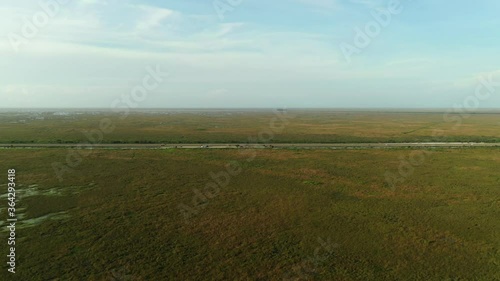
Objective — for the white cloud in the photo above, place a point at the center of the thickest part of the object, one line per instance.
(153, 17)
(106, 48)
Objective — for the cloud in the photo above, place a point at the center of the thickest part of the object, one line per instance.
(153, 17)
(105, 45)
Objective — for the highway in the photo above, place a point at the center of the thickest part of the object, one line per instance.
(255, 146)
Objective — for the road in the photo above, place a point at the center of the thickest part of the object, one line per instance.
(258, 146)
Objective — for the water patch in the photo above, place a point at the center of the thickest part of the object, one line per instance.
(22, 224)
(34, 190)
(37, 221)
(23, 191)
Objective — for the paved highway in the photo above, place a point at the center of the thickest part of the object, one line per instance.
(259, 146)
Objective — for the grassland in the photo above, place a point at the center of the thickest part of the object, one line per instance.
(236, 126)
(118, 216)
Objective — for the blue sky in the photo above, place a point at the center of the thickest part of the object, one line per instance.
(259, 54)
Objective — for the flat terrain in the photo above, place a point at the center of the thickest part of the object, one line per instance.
(237, 126)
(313, 214)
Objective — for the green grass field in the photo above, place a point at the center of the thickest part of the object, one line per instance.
(319, 126)
(301, 215)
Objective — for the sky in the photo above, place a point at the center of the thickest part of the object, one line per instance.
(249, 53)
